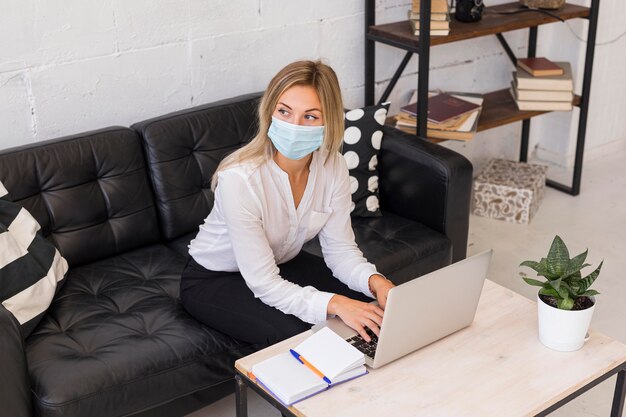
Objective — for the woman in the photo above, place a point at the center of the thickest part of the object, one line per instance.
(247, 276)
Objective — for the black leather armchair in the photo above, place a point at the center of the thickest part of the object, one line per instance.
(122, 204)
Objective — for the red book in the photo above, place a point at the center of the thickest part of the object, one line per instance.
(539, 67)
(410, 109)
(444, 107)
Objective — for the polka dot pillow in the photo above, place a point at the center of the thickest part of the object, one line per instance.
(361, 145)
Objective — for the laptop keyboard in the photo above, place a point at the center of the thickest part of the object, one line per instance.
(368, 349)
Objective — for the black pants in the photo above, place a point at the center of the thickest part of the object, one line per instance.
(223, 301)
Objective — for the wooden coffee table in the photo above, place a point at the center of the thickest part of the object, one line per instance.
(495, 367)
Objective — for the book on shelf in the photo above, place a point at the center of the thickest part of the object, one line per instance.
(443, 107)
(462, 127)
(543, 93)
(434, 25)
(407, 120)
(434, 17)
(439, 18)
(540, 95)
(542, 105)
(320, 362)
(466, 132)
(433, 32)
(436, 6)
(563, 82)
(539, 67)
(411, 108)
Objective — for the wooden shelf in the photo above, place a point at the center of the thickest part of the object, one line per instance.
(499, 109)
(399, 34)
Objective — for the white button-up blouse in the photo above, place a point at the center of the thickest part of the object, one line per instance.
(254, 226)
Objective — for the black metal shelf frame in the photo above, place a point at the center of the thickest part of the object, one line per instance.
(423, 50)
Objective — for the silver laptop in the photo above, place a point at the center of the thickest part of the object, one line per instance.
(422, 311)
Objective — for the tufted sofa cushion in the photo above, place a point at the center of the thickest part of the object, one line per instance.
(116, 340)
(90, 192)
(183, 150)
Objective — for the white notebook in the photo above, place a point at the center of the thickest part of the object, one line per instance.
(290, 380)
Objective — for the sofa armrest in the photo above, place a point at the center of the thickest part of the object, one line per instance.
(15, 395)
(428, 183)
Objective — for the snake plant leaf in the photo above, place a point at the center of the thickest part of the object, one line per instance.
(540, 267)
(589, 279)
(558, 257)
(549, 291)
(576, 264)
(589, 293)
(543, 267)
(534, 282)
(565, 303)
(534, 265)
(576, 276)
(570, 291)
(556, 284)
(560, 287)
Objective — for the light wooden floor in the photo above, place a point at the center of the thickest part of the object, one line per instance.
(596, 219)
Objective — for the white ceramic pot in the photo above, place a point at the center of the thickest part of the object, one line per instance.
(563, 330)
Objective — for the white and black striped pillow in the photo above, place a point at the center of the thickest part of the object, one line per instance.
(31, 268)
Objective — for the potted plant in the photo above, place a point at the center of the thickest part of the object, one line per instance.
(565, 301)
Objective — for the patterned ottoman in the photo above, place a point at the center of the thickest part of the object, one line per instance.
(508, 190)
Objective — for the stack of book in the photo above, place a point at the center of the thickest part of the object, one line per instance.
(542, 85)
(439, 17)
(450, 116)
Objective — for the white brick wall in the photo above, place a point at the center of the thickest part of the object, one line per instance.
(15, 109)
(110, 90)
(76, 65)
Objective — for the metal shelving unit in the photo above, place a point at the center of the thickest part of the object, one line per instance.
(498, 107)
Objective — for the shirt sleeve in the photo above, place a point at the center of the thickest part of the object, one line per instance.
(254, 256)
(336, 237)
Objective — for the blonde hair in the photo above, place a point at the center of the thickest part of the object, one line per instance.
(306, 73)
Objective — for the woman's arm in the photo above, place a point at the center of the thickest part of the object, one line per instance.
(336, 237)
(346, 261)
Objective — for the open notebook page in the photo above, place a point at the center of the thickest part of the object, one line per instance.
(329, 353)
(287, 378)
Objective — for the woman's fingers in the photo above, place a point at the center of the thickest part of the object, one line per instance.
(376, 309)
(358, 315)
(361, 331)
(370, 320)
(373, 316)
(374, 327)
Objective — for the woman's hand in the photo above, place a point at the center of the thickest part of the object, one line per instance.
(357, 314)
(380, 286)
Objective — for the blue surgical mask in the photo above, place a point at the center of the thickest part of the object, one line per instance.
(295, 141)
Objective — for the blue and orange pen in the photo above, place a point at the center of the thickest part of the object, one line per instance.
(308, 365)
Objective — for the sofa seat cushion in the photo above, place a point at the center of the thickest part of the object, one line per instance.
(116, 340)
(401, 249)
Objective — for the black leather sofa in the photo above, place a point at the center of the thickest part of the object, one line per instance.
(121, 204)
